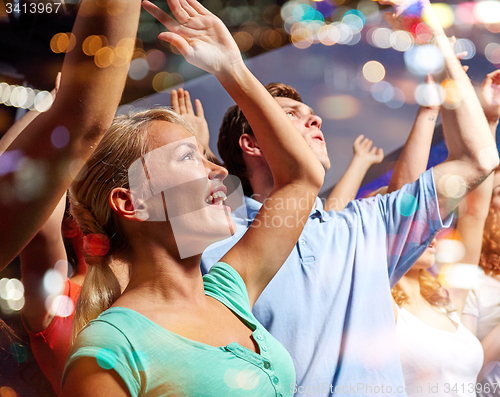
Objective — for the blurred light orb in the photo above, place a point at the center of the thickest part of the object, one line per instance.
(382, 91)
(455, 186)
(60, 137)
(397, 100)
(381, 37)
(328, 35)
(444, 13)
(43, 101)
(156, 59)
(463, 276)
(346, 33)
(465, 45)
(325, 7)
(19, 96)
(338, 107)
(53, 282)
(488, 157)
(487, 11)
(422, 32)
(452, 93)
(401, 40)
(373, 71)
(464, 13)
(367, 7)
(449, 251)
(244, 40)
(353, 21)
(92, 44)
(7, 392)
(61, 306)
(6, 91)
(429, 94)
(15, 289)
(424, 59)
(138, 69)
(492, 53)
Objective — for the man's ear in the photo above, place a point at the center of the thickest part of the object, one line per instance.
(249, 145)
(121, 202)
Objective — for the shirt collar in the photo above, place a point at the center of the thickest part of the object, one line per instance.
(253, 206)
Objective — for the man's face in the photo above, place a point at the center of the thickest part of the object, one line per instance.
(309, 126)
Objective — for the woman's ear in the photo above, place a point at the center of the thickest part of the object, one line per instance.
(249, 145)
(121, 202)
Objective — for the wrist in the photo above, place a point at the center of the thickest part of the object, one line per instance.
(361, 162)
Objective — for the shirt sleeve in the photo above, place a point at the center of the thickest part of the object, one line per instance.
(226, 285)
(471, 304)
(109, 346)
(411, 219)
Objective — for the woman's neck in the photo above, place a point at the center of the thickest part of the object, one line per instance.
(158, 275)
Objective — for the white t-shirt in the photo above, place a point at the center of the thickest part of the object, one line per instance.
(483, 302)
(437, 362)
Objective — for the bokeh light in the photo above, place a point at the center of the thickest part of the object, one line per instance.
(465, 45)
(138, 69)
(338, 107)
(96, 244)
(487, 11)
(373, 71)
(60, 137)
(401, 40)
(60, 305)
(449, 251)
(43, 101)
(461, 275)
(492, 53)
(443, 13)
(11, 295)
(7, 392)
(244, 40)
(429, 94)
(424, 59)
(381, 37)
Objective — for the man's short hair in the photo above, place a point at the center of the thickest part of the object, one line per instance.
(234, 125)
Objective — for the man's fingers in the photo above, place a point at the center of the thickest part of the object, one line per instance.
(189, 105)
(174, 101)
(182, 101)
(177, 41)
(199, 108)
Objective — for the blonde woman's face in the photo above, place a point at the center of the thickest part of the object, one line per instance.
(175, 182)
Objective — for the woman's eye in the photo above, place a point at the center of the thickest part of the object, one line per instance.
(188, 156)
(290, 114)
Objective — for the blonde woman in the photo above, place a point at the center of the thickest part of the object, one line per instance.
(173, 332)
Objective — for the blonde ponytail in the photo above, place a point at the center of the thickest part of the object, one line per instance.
(107, 169)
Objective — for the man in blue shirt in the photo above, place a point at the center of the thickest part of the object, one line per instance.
(330, 303)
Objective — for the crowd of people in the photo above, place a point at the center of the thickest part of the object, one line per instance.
(295, 295)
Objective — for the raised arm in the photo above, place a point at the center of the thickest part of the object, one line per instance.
(44, 252)
(205, 42)
(180, 100)
(472, 150)
(471, 224)
(415, 154)
(365, 155)
(58, 142)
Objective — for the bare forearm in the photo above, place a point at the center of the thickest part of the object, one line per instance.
(415, 154)
(81, 113)
(348, 186)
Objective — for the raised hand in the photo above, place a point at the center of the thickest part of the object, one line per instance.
(199, 36)
(181, 104)
(490, 96)
(363, 149)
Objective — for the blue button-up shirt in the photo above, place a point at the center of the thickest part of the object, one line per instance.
(330, 303)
